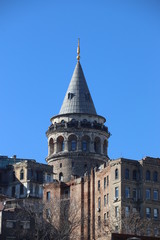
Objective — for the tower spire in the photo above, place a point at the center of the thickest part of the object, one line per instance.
(78, 51)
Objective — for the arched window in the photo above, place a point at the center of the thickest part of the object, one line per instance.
(105, 147)
(148, 175)
(85, 143)
(61, 176)
(63, 123)
(155, 176)
(134, 175)
(116, 173)
(97, 145)
(72, 143)
(126, 173)
(21, 174)
(51, 146)
(60, 144)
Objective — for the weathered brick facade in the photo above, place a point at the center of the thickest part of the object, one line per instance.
(106, 189)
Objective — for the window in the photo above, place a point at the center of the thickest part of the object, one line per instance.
(155, 194)
(85, 141)
(73, 145)
(60, 144)
(148, 175)
(155, 213)
(134, 194)
(97, 145)
(99, 221)
(21, 174)
(99, 202)
(10, 223)
(61, 176)
(84, 145)
(148, 232)
(39, 176)
(70, 95)
(116, 192)
(134, 175)
(25, 224)
(155, 176)
(148, 194)
(107, 180)
(99, 185)
(48, 196)
(72, 164)
(51, 146)
(48, 178)
(116, 173)
(30, 174)
(148, 212)
(127, 210)
(105, 200)
(60, 165)
(116, 211)
(155, 232)
(105, 183)
(126, 173)
(127, 192)
(105, 217)
(107, 214)
(21, 189)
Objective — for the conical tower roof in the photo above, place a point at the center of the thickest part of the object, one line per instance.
(78, 98)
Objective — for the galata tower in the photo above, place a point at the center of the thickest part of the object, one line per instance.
(77, 136)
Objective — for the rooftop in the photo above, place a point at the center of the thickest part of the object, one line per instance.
(78, 98)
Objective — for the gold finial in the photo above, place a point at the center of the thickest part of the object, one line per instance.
(78, 51)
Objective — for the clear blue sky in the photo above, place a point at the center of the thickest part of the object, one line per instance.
(120, 57)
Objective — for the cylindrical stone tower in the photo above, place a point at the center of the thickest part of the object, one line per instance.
(77, 137)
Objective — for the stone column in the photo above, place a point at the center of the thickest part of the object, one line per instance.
(79, 144)
(92, 144)
(65, 145)
(101, 146)
(55, 147)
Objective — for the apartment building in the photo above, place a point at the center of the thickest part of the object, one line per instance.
(120, 196)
